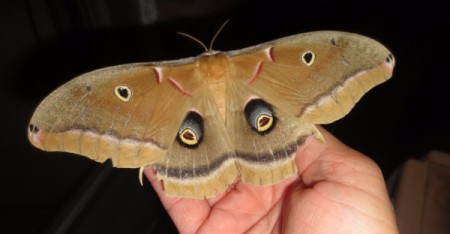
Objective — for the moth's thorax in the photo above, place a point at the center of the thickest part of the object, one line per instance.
(213, 67)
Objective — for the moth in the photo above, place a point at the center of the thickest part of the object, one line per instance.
(203, 121)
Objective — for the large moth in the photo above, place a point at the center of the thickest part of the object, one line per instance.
(201, 122)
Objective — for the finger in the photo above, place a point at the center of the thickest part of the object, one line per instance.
(335, 162)
(312, 148)
(187, 214)
(334, 175)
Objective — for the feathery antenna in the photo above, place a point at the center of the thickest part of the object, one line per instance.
(200, 42)
(217, 33)
(194, 39)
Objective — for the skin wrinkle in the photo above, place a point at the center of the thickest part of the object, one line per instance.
(280, 223)
(299, 215)
(355, 209)
(184, 214)
(276, 205)
(269, 223)
(213, 201)
(366, 175)
(326, 210)
(258, 224)
(318, 191)
(211, 214)
(332, 175)
(251, 193)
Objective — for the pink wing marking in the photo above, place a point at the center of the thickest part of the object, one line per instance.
(256, 72)
(158, 72)
(269, 53)
(179, 87)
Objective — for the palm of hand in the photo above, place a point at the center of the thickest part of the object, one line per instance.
(338, 190)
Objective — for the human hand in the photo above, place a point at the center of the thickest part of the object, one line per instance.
(337, 190)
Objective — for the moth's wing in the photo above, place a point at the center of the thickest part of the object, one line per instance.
(319, 88)
(343, 66)
(86, 116)
(205, 169)
(269, 157)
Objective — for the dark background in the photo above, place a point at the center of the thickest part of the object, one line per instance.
(45, 43)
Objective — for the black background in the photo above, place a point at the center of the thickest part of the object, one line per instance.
(43, 44)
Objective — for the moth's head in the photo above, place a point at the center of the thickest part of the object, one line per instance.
(210, 52)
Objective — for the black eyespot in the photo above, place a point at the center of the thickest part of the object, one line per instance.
(260, 116)
(191, 131)
(308, 58)
(33, 128)
(390, 58)
(88, 88)
(123, 93)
